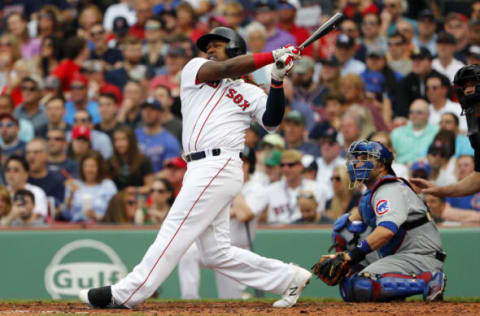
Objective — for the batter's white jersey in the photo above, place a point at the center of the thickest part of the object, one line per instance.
(216, 117)
(282, 201)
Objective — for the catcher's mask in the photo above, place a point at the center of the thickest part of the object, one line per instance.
(464, 75)
(365, 152)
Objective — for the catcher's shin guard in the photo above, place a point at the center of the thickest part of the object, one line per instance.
(386, 287)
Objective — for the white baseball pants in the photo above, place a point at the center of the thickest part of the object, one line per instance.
(200, 213)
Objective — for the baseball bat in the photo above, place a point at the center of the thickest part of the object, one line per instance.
(322, 30)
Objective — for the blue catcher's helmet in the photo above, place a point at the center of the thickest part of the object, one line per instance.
(369, 150)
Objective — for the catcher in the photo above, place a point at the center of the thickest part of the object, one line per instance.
(407, 241)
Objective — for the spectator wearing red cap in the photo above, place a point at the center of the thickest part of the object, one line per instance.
(9, 132)
(100, 141)
(457, 25)
(80, 143)
(76, 53)
(174, 172)
(79, 100)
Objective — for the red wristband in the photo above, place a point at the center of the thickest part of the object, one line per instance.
(262, 59)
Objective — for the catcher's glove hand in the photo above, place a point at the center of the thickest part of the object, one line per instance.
(331, 268)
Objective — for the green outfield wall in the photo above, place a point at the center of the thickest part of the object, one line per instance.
(57, 263)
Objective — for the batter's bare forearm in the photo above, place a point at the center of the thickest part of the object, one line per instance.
(467, 186)
(231, 68)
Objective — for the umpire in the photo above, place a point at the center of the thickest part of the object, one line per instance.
(467, 88)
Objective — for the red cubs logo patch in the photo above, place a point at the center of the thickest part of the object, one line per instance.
(238, 99)
(382, 207)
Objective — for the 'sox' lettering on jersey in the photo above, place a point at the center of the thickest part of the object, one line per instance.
(382, 207)
(238, 98)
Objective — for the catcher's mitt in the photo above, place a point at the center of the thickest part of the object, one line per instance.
(331, 268)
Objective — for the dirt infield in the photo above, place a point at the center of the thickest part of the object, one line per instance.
(309, 307)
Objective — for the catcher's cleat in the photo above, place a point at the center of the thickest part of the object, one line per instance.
(294, 290)
(100, 297)
(435, 287)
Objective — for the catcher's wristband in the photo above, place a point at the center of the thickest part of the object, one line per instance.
(359, 253)
(262, 59)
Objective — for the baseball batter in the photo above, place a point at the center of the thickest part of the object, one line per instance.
(217, 108)
(407, 239)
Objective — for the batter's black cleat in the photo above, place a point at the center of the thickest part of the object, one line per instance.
(100, 297)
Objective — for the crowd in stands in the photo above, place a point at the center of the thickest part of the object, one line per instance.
(91, 122)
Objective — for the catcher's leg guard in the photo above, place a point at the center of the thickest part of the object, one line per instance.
(386, 287)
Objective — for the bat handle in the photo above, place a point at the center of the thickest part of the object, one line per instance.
(280, 64)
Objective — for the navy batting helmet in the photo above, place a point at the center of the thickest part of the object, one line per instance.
(371, 149)
(236, 45)
(469, 73)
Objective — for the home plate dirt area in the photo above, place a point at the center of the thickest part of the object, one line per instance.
(305, 307)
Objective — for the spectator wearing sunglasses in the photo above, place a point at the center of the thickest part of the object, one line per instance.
(11, 143)
(441, 158)
(111, 57)
(26, 132)
(79, 101)
(30, 109)
(57, 160)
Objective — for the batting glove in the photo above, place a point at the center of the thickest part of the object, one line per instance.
(279, 73)
(289, 49)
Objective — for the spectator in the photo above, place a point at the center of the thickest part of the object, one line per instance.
(9, 54)
(330, 74)
(310, 167)
(441, 160)
(120, 33)
(170, 122)
(186, 21)
(438, 87)
(122, 208)
(87, 199)
(256, 38)
(154, 141)
(281, 197)
(475, 10)
(445, 63)
(22, 212)
(344, 51)
(124, 9)
(154, 48)
(358, 10)
(9, 132)
(108, 109)
(351, 29)
(50, 182)
(400, 169)
(326, 137)
(128, 166)
(30, 109)
(79, 101)
(474, 35)
(449, 122)
(308, 96)
(51, 55)
(371, 32)
(76, 53)
(344, 199)
(426, 31)
(392, 14)
(295, 131)
(350, 129)
(5, 203)
(442, 211)
(174, 172)
(252, 135)
(17, 25)
(100, 141)
(133, 68)
(465, 165)
(398, 54)
(473, 55)
(110, 57)
(266, 14)
(272, 163)
(52, 88)
(287, 12)
(57, 158)
(55, 112)
(130, 109)
(48, 22)
(412, 86)
(88, 17)
(407, 30)
(26, 131)
(143, 11)
(234, 15)
(334, 108)
(162, 197)
(80, 143)
(418, 132)
(16, 175)
(457, 25)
